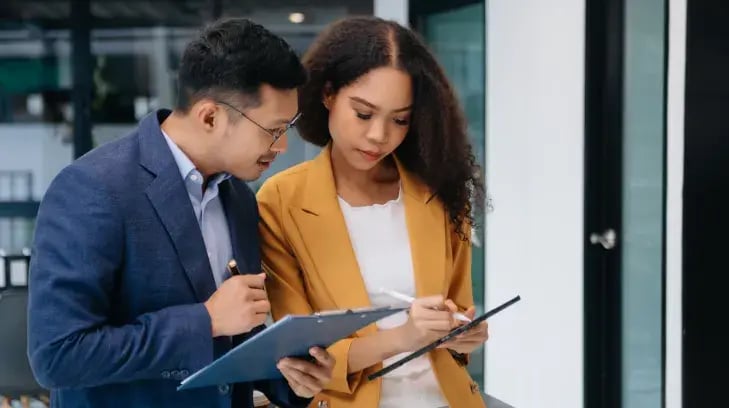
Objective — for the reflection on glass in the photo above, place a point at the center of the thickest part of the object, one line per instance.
(643, 211)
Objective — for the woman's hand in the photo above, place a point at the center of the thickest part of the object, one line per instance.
(467, 342)
(430, 318)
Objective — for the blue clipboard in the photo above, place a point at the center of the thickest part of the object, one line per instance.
(256, 358)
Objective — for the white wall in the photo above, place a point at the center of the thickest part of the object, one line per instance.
(392, 10)
(534, 238)
(38, 148)
(674, 202)
(44, 150)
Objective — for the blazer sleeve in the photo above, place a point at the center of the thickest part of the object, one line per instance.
(286, 285)
(77, 253)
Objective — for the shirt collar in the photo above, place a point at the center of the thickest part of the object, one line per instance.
(184, 164)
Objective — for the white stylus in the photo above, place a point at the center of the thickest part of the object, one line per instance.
(410, 299)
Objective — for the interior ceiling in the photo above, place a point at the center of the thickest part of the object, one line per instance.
(56, 13)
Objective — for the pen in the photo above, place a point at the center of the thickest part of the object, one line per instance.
(233, 267)
(410, 299)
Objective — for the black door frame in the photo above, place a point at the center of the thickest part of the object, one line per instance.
(604, 110)
(604, 42)
(705, 219)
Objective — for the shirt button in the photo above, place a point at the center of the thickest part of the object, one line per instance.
(194, 177)
(223, 389)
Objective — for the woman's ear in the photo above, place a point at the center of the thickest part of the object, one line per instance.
(327, 96)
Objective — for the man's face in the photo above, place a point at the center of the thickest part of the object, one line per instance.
(244, 141)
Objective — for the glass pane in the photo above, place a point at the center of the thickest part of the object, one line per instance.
(135, 49)
(35, 88)
(458, 40)
(643, 210)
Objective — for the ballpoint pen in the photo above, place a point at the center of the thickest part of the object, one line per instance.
(410, 299)
(233, 267)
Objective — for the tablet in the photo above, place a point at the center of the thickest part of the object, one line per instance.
(453, 333)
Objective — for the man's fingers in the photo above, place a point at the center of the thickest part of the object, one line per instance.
(262, 306)
(256, 294)
(253, 281)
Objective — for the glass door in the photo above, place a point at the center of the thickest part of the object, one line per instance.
(625, 204)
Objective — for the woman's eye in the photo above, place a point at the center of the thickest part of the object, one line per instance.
(364, 116)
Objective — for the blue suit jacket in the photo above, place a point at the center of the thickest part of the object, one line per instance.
(118, 277)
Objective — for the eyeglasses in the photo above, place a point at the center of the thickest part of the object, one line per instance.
(275, 133)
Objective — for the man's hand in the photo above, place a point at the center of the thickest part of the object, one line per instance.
(305, 378)
(467, 342)
(239, 305)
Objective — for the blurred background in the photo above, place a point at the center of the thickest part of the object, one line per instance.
(601, 126)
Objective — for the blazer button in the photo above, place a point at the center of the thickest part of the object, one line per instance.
(175, 374)
(166, 375)
(474, 388)
(184, 374)
(223, 389)
(322, 404)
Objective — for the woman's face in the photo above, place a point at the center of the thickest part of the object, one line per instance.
(369, 118)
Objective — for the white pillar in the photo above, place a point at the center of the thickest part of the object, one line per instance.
(674, 201)
(392, 10)
(535, 171)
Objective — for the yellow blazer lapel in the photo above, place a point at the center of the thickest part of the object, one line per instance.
(426, 225)
(324, 233)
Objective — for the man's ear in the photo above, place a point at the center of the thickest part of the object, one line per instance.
(207, 112)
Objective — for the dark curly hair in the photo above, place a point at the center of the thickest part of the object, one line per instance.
(236, 56)
(436, 148)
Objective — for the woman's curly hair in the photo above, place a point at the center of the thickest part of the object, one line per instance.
(436, 148)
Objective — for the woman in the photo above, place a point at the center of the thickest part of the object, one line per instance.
(385, 205)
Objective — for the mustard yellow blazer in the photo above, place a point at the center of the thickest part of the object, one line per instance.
(312, 267)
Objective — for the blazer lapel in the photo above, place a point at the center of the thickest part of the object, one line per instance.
(324, 233)
(426, 228)
(171, 202)
(242, 215)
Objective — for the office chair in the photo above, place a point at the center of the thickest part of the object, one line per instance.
(16, 378)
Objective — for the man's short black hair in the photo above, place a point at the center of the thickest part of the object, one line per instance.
(233, 57)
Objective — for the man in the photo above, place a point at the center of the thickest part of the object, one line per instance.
(129, 290)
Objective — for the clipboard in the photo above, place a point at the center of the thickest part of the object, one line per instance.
(453, 333)
(256, 358)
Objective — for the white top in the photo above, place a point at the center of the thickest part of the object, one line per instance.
(381, 245)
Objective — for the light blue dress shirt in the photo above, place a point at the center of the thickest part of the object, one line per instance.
(209, 212)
